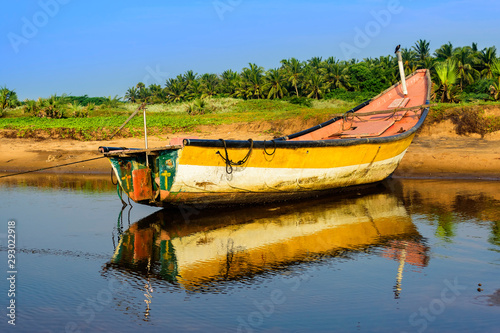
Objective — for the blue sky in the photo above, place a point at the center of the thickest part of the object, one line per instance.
(101, 48)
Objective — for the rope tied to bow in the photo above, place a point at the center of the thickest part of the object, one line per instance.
(229, 162)
(349, 116)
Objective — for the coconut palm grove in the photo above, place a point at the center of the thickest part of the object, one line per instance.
(462, 73)
(459, 74)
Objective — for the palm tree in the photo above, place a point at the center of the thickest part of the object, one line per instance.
(76, 110)
(190, 76)
(370, 61)
(422, 50)
(154, 89)
(331, 61)
(8, 99)
(253, 80)
(495, 87)
(486, 59)
(444, 52)
(49, 107)
(229, 83)
(156, 94)
(447, 77)
(132, 94)
(209, 84)
(140, 86)
(199, 106)
(241, 90)
(144, 94)
(315, 85)
(194, 89)
(389, 67)
(464, 58)
(175, 90)
(336, 76)
(315, 63)
(274, 81)
(293, 70)
(30, 107)
(495, 90)
(408, 56)
(112, 102)
(429, 63)
(141, 93)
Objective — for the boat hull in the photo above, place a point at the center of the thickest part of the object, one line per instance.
(198, 175)
(347, 150)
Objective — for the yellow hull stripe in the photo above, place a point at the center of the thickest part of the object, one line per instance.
(300, 158)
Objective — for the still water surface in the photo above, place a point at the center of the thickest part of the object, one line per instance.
(404, 257)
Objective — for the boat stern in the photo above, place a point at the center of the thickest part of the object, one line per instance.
(146, 176)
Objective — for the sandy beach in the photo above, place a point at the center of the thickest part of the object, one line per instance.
(435, 152)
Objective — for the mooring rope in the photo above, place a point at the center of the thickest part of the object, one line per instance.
(51, 167)
(265, 151)
(111, 175)
(348, 117)
(229, 162)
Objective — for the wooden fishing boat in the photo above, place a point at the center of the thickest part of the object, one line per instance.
(362, 146)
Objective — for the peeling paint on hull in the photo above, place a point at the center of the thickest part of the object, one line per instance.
(269, 180)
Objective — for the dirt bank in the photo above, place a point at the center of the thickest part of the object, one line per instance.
(437, 151)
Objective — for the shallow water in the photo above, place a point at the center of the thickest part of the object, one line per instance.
(404, 257)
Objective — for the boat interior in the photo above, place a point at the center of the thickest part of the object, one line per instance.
(390, 113)
(398, 118)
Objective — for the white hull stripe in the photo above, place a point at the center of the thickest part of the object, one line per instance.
(193, 178)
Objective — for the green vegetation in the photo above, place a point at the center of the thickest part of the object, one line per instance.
(8, 100)
(304, 89)
(166, 118)
(459, 73)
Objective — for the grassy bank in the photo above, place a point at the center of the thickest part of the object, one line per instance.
(102, 122)
(481, 117)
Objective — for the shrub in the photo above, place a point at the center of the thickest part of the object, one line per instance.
(479, 87)
(304, 101)
(472, 97)
(363, 78)
(197, 107)
(355, 96)
(472, 120)
(8, 99)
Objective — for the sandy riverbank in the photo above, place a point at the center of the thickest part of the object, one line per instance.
(435, 152)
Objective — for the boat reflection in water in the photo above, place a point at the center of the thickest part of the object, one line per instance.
(202, 250)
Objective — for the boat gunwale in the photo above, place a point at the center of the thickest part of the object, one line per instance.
(284, 142)
(122, 151)
(270, 144)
